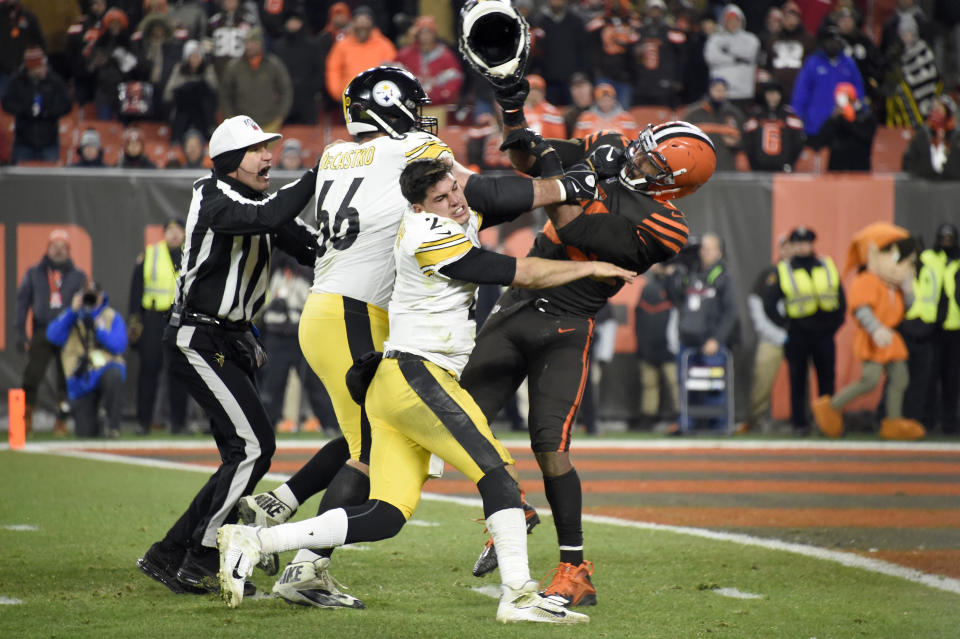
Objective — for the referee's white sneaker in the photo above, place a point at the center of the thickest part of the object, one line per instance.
(309, 583)
(526, 604)
(239, 548)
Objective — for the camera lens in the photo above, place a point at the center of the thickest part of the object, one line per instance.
(89, 299)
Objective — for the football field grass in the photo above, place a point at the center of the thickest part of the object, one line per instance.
(71, 530)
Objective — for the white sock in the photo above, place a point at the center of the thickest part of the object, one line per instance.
(305, 555)
(323, 531)
(508, 527)
(284, 494)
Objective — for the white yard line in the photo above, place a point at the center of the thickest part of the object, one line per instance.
(948, 584)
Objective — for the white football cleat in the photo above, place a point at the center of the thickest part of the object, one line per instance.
(239, 548)
(263, 509)
(309, 583)
(526, 604)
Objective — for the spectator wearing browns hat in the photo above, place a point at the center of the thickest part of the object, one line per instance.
(542, 117)
(37, 98)
(848, 132)
(112, 61)
(606, 114)
(433, 62)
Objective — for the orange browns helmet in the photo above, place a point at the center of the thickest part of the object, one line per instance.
(682, 156)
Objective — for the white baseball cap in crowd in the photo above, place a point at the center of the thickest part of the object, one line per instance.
(238, 132)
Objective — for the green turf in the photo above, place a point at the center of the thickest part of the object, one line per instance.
(77, 575)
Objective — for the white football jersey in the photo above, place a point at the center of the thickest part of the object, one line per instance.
(358, 210)
(432, 315)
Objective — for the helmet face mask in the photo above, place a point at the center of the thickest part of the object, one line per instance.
(495, 41)
(668, 161)
(388, 100)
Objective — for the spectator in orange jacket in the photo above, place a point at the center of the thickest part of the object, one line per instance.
(884, 255)
(364, 47)
(433, 62)
(543, 117)
(606, 114)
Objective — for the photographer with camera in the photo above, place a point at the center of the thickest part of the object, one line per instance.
(92, 337)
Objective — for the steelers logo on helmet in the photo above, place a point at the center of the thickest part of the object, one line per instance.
(386, 93)
(388, 100)
(669, 160)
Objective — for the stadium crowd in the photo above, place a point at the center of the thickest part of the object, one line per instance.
(143, 84)
(134, 83)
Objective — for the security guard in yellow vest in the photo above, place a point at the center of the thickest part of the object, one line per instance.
(809, 300)
(919, 328)
(947, 336)
(152, 291)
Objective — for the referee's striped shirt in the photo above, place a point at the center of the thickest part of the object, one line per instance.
(226, 255)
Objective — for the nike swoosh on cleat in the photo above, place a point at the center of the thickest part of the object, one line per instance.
(555, 613)
(237, 575)
(565, 330)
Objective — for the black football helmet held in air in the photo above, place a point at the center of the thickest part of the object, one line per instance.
(495, 40)
(386, 99)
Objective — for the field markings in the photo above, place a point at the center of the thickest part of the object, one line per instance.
(20, 527)
(947, 584)
(9, 601)
(736, 594)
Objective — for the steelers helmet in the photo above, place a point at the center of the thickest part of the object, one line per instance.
(386, 99)
(682, 155)
(495, 40)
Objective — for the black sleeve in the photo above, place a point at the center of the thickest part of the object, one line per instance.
(136, 291)
(296, 239)
(482, 267)
(570, 151)
(226, 215)
(771, 297)
(500, 198)
(614, 238)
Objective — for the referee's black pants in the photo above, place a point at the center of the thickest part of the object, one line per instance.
(801, 347)
(215, 374)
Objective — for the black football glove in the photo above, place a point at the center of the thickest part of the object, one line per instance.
(531, 142)
(606, 160)
(511, 100)
(579, 182)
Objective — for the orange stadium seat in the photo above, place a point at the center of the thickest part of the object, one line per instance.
(155, 131)
(811, 161)
(645, 115)
(888, 148)
(157, 152)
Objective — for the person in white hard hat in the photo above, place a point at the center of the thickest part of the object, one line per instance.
(211, 345)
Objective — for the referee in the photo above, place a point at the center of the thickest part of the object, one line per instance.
(210, 342)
